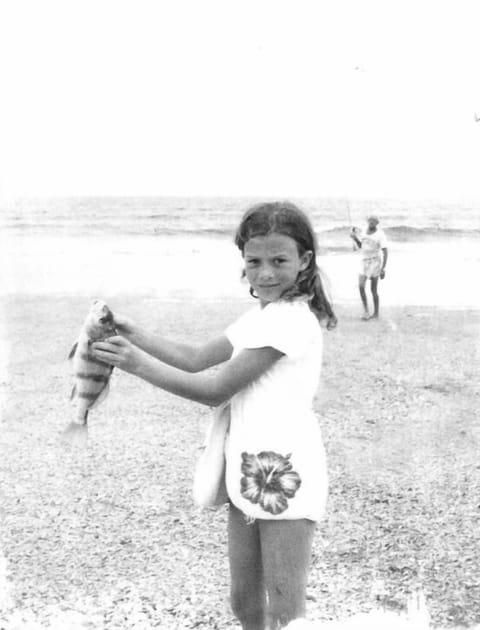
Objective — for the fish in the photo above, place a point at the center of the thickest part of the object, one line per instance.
(92, 377)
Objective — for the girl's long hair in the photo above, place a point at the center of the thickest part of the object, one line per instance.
(283, 217)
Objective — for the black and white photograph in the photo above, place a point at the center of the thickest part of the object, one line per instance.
(239, 315)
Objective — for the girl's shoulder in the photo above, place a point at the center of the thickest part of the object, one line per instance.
(295, 308)
(287, 325)
(294, 317)
(292, 326)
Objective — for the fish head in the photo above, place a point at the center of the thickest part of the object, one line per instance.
(99, 321)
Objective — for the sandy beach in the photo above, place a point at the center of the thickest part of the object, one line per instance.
(111, 533)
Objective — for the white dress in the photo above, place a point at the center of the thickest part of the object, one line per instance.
(276, 464)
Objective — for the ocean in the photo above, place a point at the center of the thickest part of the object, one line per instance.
(181, 247)
(90, 216)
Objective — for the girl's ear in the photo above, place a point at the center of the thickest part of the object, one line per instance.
(305, 259)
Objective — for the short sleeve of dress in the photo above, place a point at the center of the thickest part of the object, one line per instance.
(285, 326)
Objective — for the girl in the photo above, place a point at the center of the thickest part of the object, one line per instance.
(276, 473)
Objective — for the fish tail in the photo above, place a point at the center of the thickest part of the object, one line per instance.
(76, 433)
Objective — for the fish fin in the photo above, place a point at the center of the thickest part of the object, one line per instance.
(73, 350)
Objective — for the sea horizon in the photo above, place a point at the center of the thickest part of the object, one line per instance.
(220, 215)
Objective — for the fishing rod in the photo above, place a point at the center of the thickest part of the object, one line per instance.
(349, 216)
(352, 229)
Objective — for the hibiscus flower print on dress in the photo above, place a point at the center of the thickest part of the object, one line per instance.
(268, 480)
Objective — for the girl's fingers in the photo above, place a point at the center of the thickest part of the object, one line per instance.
(107, 357)
(102, 346)
(117, 340)
(115, 351)
(122, 323)
(107, 352)
(118, 321)
(112, 343)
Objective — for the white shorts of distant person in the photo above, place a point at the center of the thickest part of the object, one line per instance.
(371, 267)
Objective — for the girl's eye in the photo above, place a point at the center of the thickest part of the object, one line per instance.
(252, 262)
(279, 261)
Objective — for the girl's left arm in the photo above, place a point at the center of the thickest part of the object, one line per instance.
(206, 388)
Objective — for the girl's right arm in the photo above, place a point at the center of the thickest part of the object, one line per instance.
(180, 355)
(205, 388)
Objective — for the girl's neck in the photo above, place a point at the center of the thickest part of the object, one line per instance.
(297, 298)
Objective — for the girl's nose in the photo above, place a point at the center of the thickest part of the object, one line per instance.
(266, 272)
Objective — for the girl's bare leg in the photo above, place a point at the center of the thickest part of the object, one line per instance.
(286, 553)
(247, 585)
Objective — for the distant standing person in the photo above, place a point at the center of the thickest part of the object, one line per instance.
(373, 244)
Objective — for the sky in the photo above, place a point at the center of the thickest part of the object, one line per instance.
(345, 98)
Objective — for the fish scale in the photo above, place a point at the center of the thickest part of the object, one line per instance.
(91, 378)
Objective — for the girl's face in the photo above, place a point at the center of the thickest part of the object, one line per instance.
(272, 265)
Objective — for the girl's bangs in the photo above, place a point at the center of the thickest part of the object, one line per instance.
(262, 221)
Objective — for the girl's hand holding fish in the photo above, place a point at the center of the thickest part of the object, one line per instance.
(123, 324)
(119, 352)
